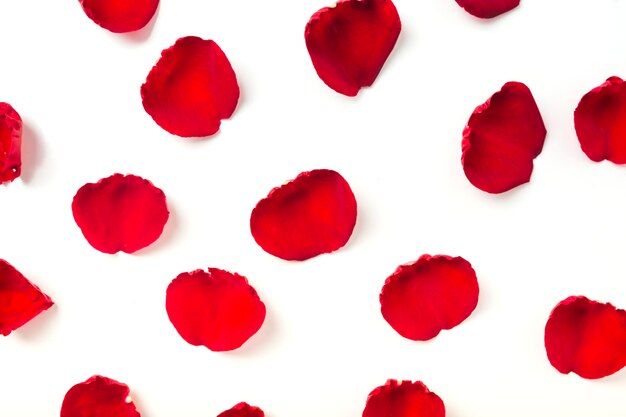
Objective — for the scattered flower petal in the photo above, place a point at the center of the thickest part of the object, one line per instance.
(350, 42)
(586, 337)
(216, 309)
(501, 139)
(191, 88)
(10, 143)
(403, 399)
(242, 410)
(431, 294)
(486, 9)
(20, 300)
(120, 16)
(120, 213)
(600, 121)
(98, 396)
(313, 214)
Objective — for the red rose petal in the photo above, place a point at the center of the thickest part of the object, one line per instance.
(98, 397)
(216, 309)
(431, 294)
(313, 214)
(486, 9)
(120, 213)
(10, 143)
(20, 300)
(586, 337)
(242, 410)
(403, 399)
(350, 42)
(120, 16)
(501, 139)
(191, 88)
(600, 121)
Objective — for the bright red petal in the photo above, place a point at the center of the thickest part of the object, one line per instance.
(98, 397)
(191, 88)
(242, 410)
(501, 139)
(600, 121)
(10, 143)
(586, 337)
(350, 42)
(424, 297)
(216, 309)
(120, 213)
(313, 214)
(120, 16)
(403, 399)
(486, 9)
(20, 300)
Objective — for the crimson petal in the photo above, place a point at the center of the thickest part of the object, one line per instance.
(120, 16)
(403, 399)
(431, 294)
(486, 9)
(20, 300)
(216, 309)
(242, 410)
(313, 214)
(350, 42)
(600, 121)
(10, 143)
(191, 88)
(586, 337)
(98, 396)
(120, 213)
(502, 138)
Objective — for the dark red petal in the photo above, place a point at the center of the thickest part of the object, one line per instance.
(431, 294)
(10, 143)
(98, 397)
(501, 139)
(216, 309)
(403, 399)
(20, 300)
(313, 214)
(120, 16)
(586, 337)
(120, 213)
(242, 410)
(486, 9)
(600, 121)
(350, 42)
(191, 88)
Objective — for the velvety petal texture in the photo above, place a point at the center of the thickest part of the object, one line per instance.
(502, 138)
(216, 309)
(242, 410)
(313, 214)
(586, 337)
(98, 396)
(486, 9)
(431, 294)
(350, 42)
(10, 143)
(120, 213)
(403, 399)
(20, 300)
(191, 88)
(600, 121)
(120, 16)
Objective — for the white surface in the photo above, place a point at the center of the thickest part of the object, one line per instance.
(324, 345)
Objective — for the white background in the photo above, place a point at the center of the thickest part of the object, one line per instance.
(324, 345)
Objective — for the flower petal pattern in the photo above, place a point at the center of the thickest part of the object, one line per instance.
(120, 16)
(486, 9)
(120, 213)
(502, 138)
(403, 399)
(191, 88)
(98, 396)
(313, 214)
(10, 143)
(216, 309)
(431, 294)
(350, 42)
(242, 410)
(586, 337)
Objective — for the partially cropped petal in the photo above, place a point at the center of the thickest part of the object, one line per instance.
(403, 399)
(486, 9)
(98, 396)
(242, 410)
(120, 16)
(10, 143)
